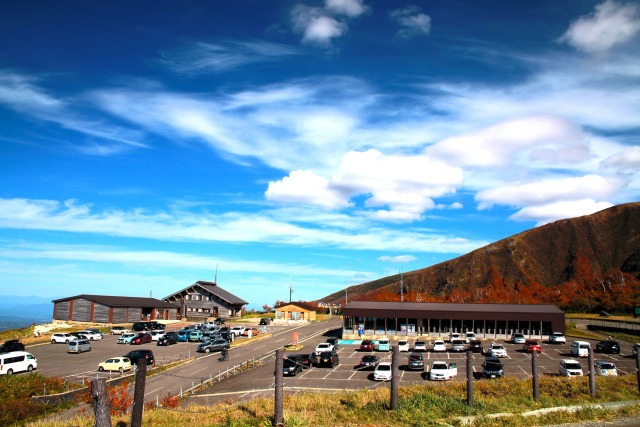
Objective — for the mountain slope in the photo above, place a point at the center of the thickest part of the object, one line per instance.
(549, 255)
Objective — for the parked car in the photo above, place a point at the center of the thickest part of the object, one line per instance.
(168, 338)
(415, 362)
(126, 338)
(458, 345)
(265, 321)
(605, 368)
(382, 372)
(119, 330)
(330, 358)
(134, 355)
(254, 332)
(492, 368)
(420, 346)
(580, 348)
(476, 346)
(403, 345)
(302, 359)
(442, 371)
(335, 342)
(322, 347)
(141, 338)
(383, 344)
(210, 346)
(237, 330)
(366, 345)
(91, 335)
(219, 321)
(454, 336)
(119, 364)
(570, 368)
(11, 345)
(195, 336)
(557, 338)
(497, 350)
(183, 335)
(79, 346)
(469, 336)
(518, 338)
(439, 345)
(608, 346)
(60, 338)
(369, 361)
(532, 345)
(156, 335)
(291, 367)
(17, 361)
(141, 326)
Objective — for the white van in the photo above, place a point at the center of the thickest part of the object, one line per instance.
(17, 361)
(570, 368)
(78, 346)
(580, 348)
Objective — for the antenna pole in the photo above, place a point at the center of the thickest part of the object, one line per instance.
(401, 287)
(290, 289)
(216, 278)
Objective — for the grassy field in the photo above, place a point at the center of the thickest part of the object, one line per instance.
(433, 405)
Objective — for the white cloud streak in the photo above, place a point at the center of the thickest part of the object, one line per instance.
(412, 21)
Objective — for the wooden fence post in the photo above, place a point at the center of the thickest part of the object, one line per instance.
(138, 392)
(395, 378)
(278, 413)
(534, 375)
(100, 403)
(469, 378)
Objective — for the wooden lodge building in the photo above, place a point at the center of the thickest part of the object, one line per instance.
(198, 301)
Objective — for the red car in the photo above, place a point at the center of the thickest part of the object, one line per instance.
(367, 345)
(531, 346)
(141, 338)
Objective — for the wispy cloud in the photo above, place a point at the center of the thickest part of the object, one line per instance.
(412, 21)
(320, 25)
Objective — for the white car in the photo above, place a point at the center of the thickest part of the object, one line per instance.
(442, 371)
(557, 338)
(439, 345)
(420, 346)
(497, 350)
(606, 369)
(119, 330)
(322, 347)
(454, 336)
(570, 368)
(237, 330)
(382, 372)
(90, 335)
(403, 345)
(58, 338)
(469, 336)
(155, 335)
(120, 364)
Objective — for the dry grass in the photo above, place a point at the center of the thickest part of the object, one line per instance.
(419, 405)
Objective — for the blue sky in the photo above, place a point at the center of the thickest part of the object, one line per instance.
(146, 144)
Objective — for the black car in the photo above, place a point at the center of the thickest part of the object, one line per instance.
(134, 355)
(265, 321)
(608, 346)
(219, 321)
(291, 367)
(11, 345)
(369, 361)
(302, 359)
(416, 362)
(168, 339)
(330, 358)
(492, 368)
(476, 346)
(334, 342)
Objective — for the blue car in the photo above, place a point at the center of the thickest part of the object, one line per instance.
(183, 335)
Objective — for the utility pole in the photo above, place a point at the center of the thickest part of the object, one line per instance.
(401, 287)
(290, 289)
(215, 280)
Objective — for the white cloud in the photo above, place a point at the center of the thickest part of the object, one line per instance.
(315, 25)
(542, 137)
(307, 188)
(547, 213)
(72, 217)
(201, 58)
(412, 21)
(351, 8)
(551, 191)
(400, 259)
(611, 24)
(629, 159)
(404, 184)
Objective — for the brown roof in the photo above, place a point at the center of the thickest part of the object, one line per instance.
(214, 289)
(117, 301)
(299, 304)
(452, 307)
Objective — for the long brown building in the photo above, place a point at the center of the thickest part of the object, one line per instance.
(375, 318)
(112, 309)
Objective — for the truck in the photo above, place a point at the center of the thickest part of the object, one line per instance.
(442, 371)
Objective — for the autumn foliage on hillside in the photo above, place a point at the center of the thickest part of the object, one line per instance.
(615, 292)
